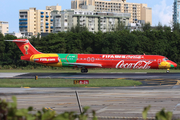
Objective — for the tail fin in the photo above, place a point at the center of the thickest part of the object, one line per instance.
(25, 47)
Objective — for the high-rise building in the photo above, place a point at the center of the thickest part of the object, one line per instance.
(34, 21)
(137, 11)
(4, 27)
(94, 21)
(176, 11)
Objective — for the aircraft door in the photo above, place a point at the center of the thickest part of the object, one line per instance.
(159, 61)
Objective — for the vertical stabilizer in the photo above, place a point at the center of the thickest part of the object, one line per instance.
(25, 46)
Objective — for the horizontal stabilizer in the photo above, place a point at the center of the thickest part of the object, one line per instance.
(23, 41)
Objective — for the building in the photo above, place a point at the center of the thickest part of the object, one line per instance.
(4, 27)
(94, 21)
(34, 21)
(176, 13)
(137, 11)
(136, 26)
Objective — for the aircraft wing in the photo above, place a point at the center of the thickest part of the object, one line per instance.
(84, 64)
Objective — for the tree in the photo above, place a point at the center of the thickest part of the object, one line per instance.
(167, 28)
(159, 27)
(78, 29)
(2, 48)
(97, 42)
(87, 39)
(74, 43)
(129, 43)
(146, 26)
(176, 27)
(121, 26)
(11, 51)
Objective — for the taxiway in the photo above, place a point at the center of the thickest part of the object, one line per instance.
(93, 75)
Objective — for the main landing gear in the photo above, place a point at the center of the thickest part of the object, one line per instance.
(84, 70)
(167, 71)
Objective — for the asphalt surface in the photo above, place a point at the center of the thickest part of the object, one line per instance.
(93, 75)
(160, 90)
(109, 103)
(147, 79)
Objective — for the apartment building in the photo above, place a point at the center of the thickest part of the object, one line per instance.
(4, 27)
(137, 11)
(35, 21)
(176, 11)
(94, 21)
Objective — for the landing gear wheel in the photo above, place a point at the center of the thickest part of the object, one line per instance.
(84, 70)
(167, 71)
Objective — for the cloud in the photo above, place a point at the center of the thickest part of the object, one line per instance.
(162, 13)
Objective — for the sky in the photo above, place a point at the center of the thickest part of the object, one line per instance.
(9, 10)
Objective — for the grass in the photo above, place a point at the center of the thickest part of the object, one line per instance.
(66, 83)
(76, 70)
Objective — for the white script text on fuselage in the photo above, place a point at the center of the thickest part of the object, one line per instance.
(137, 65)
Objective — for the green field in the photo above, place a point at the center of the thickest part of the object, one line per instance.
(66, 83)
(76, 70)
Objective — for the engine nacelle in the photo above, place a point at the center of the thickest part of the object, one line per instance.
(47, 60)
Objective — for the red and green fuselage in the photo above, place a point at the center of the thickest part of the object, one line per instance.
(85, 61)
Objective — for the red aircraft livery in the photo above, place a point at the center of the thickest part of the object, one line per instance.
(85, 61)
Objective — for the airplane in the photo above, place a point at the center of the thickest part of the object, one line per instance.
(85, 61)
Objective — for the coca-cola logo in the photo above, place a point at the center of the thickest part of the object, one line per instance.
(138, 65)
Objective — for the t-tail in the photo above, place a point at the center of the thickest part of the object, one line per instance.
(26, 48)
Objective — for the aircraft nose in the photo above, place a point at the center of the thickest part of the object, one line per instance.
(173, 64)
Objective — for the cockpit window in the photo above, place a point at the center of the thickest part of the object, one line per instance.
(165, 59)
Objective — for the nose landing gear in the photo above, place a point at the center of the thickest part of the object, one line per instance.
(84, 70)
(167, 71)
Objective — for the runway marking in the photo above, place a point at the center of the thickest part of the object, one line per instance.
(178, 82)
(101, 110)
(114, 100)
(48, 108)
(172, 82)
(65, 103)
(41, 97)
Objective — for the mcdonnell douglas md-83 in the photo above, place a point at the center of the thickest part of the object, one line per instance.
(85, 61)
